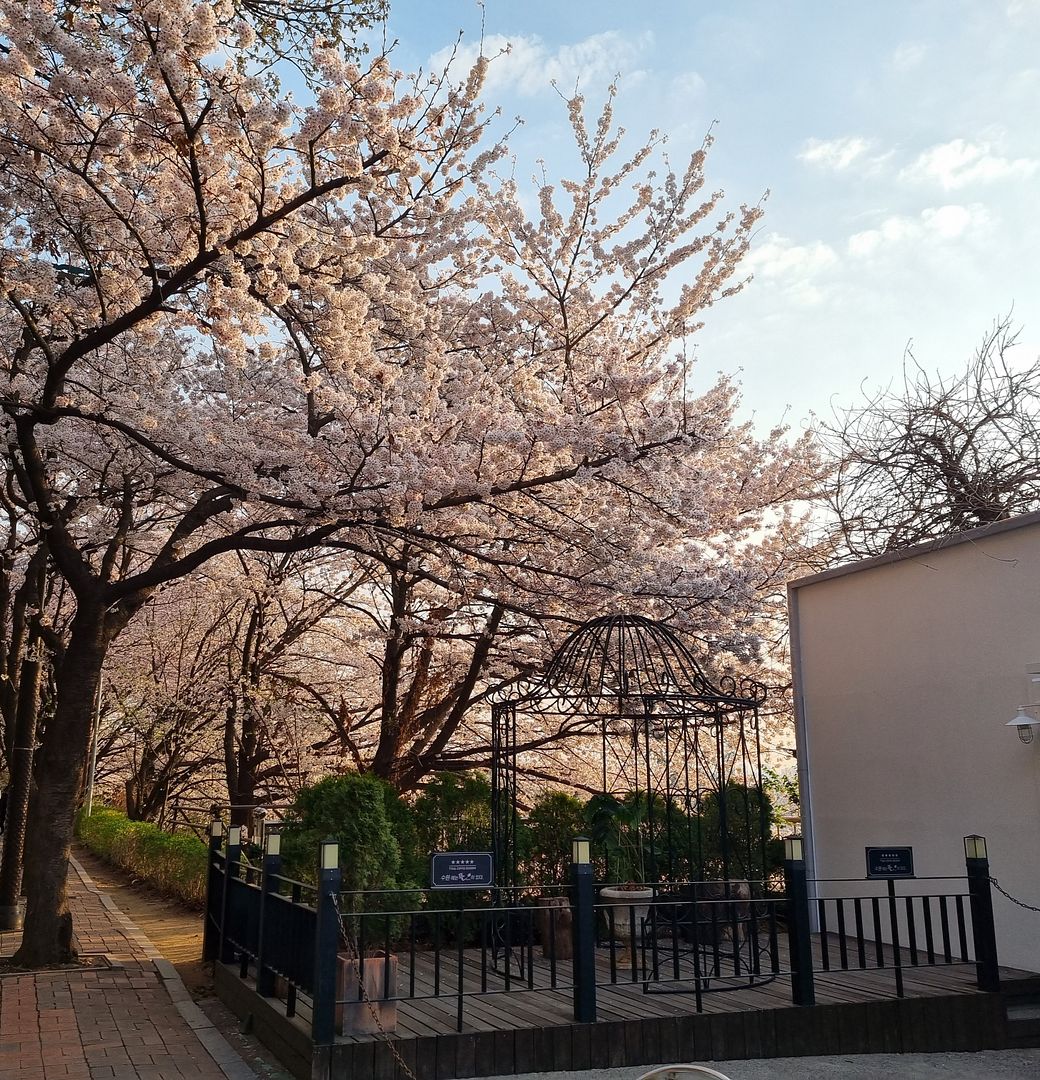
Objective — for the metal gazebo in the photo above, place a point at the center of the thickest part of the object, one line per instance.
(678, 755)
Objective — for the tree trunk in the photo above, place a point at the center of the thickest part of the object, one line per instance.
(61, 766)
(24, 743)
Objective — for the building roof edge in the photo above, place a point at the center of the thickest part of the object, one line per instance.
(1021, 521)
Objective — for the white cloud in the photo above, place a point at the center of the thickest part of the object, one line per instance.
(958, 163)
(891, 231)
(688, 85)
(949, 222)
(791, 267)
(840, 153)
(529, 66)
(1020, 11)
(936, 224)
(908, 55)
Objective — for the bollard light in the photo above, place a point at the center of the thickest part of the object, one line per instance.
(975, 847)
(273, 845)
(216, 829)
(581, 851)
(234, 836)
(259, 814)
(793, 849)
(329, 854)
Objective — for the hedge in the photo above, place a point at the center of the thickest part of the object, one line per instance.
(173, 864)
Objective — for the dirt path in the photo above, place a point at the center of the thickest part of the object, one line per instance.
(176, 931)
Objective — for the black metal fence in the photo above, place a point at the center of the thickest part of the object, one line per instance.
(351, 958)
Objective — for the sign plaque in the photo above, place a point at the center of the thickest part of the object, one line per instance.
(461, 870)
(890, 862)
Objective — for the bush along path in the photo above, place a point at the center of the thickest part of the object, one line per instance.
(173, 864)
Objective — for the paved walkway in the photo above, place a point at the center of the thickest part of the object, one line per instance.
(127, 1017)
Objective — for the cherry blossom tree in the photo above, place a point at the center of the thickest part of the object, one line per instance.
(236, 323)
(212, 694)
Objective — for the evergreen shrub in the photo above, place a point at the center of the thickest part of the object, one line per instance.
(173, 863)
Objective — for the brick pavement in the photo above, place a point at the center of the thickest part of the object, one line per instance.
(127, 1017)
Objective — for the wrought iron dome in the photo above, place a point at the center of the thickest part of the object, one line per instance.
(629, 658)
(676, 751)
(675, 748)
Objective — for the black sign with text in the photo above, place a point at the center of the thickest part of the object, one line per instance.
(890, 862)
(461, 870)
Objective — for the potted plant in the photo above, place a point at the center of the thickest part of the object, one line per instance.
(366, 995)
(359, 811)
(616, 827)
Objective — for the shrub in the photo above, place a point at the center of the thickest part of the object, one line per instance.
(352, 809)
(174, 864)
(453, 813)
(546, 834)
(744, 809)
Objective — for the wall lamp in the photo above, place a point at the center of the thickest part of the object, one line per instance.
(1024, 724)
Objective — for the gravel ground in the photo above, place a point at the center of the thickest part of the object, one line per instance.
(984, 1065)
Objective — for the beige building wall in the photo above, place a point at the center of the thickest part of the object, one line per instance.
(906, 671)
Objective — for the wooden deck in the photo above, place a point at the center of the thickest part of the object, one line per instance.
(430, 1013)
(522, 1030)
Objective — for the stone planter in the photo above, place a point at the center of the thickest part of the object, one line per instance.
(624, 898)
(355, 1015)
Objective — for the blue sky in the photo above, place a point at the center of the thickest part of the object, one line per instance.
(899, 141)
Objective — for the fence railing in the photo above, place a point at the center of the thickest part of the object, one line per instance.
(345, 961)
(680, 943)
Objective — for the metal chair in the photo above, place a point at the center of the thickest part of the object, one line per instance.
(681, 1072)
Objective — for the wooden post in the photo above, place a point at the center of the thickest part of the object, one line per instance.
(232, 853)
(272, 866)
(326, 942)
(583, 930)
(211, 928)
(797, 889)
(987, 970)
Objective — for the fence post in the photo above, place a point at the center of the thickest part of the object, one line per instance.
(326, 942)
(799, 934)
(214, 893)
(272, 866)
(583, 930)
(983, 931)
(232, 854)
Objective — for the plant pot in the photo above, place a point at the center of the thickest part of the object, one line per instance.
(624, 899)
(376, 1009)
(556, 927)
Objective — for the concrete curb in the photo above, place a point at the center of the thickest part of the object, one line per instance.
(218, 1048)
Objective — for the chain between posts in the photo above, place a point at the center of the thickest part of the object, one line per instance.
(1003, 892)
(355, 953)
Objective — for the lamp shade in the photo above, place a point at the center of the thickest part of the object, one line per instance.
(975, 847)
(329, 854)
(273, 845)
(581, 851)
(793, 851)
(1023, 723)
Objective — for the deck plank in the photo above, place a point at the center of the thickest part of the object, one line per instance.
(622, 1002)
